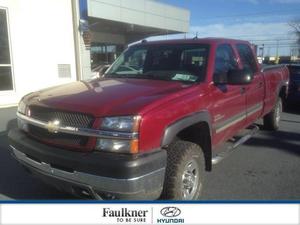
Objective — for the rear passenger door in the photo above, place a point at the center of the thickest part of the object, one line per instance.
(255, 90)
(229, 101)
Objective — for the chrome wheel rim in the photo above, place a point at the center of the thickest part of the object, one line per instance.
(278, 113)
(190, 180)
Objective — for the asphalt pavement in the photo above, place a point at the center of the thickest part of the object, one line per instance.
(267, 167)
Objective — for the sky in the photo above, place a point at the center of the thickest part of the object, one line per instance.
(259, 21)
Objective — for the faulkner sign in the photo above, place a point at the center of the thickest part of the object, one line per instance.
(126, 215)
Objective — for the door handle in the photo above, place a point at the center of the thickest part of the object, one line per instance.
(260, 84)
(243, 90)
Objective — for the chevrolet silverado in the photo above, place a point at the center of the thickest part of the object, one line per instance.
(162, 115)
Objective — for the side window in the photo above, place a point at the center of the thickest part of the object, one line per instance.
(247, 57)
(225, 59)
(6, 82)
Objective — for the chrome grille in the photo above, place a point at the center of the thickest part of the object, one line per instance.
(66, 119)
(57, 138)
(72, 119)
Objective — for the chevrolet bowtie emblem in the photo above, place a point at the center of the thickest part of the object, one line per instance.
(53, 126)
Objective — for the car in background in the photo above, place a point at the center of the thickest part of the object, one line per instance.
(294, 85)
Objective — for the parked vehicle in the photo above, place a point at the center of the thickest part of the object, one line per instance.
(151, 127)
(294, 85)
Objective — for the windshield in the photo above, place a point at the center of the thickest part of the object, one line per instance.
(186, 63)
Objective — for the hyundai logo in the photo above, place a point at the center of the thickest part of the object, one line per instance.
(170, 211)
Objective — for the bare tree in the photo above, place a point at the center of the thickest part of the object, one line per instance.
(295, 24)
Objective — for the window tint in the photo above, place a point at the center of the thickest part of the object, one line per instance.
(225, 59)
(247, 57)
(5, 64)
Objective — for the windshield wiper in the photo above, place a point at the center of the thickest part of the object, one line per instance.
(154, 76)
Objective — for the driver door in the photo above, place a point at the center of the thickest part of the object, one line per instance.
(228, 101)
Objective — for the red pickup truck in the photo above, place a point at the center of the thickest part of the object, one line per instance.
(161, 116)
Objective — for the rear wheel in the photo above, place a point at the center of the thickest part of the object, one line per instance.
(272, 119)
(185, 171)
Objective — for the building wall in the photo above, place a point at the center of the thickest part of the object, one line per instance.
(147, 13)
(41, 37)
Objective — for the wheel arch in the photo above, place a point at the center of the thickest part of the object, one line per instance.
(195, 128)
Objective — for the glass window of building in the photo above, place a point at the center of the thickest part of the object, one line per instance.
(6, 81)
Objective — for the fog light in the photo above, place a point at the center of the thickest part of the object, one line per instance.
(114, 145)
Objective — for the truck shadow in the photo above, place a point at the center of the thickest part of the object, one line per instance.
(292, 109)
(279, 140)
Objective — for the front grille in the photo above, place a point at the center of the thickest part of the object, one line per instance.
(66, 119)
(57, 138)
(72, 119)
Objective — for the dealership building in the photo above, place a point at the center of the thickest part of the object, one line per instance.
(51, 42)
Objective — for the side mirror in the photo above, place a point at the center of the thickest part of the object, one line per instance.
(239, 77)
(220, 78)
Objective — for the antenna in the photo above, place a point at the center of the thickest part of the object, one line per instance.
(196, 37)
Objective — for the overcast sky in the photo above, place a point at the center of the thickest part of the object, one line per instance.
(259, 21)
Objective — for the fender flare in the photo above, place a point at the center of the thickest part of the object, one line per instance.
(282, 84)
(173, 129)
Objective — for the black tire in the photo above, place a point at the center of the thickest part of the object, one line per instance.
(272, 119)
(182, 157)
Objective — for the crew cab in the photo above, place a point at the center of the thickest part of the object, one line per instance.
(154, 124)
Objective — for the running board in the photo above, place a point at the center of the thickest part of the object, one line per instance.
(251, 131)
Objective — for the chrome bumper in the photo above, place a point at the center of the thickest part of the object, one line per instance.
(142, 187)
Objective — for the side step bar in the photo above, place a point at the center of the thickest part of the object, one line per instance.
(222, 155)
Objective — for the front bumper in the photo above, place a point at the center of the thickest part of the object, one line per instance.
(95, 174)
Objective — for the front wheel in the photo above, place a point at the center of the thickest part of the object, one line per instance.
(185, 171)
(272, 119)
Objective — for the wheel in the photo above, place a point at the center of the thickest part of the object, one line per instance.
(272, 119)
(185, 171)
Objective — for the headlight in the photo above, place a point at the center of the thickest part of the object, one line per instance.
(122, 123)
(22, 107)
(129, 124)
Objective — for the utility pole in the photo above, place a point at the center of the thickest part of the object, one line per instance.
(277, 47)
(277, 56)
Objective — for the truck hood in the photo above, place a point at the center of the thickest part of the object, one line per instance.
(108, 96)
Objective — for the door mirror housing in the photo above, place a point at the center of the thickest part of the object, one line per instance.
(221, 78)
(234, 77)
(239, 77)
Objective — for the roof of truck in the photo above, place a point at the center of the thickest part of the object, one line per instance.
(208, 40)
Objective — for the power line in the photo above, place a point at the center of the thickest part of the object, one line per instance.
(252, 14)
(253, 35)
(261, 35)
(275, 39)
